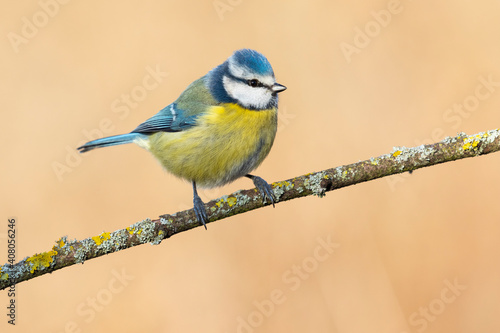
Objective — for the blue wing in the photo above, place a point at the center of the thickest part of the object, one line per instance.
(169, 119)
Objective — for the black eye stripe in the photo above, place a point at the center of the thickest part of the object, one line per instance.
(255, 83)
(259, 84)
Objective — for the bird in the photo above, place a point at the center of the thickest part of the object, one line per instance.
(220, 128)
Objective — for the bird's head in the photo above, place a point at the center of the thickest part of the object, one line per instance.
(245, 78)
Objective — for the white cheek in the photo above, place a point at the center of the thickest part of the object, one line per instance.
(258, 97)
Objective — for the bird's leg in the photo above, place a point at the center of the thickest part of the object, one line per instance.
(199, 207)
(264, 188)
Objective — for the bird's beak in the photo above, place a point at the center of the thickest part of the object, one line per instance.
(276, 88)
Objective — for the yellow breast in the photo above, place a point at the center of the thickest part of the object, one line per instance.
(227, 143)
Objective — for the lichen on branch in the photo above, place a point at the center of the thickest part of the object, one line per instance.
(400, 159)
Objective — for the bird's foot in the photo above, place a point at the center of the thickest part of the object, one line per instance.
(200, 211)
(199, 208)
(264, 188)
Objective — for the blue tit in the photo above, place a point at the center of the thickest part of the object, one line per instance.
(219, 129)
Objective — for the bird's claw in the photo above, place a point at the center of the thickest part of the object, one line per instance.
(264, 188)
(200, 211)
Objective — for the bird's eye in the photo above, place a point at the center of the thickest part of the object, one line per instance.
(254, 83)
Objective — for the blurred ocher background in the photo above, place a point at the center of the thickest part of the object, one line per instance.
(408, 253)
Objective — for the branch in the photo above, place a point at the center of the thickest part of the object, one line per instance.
(400, 159)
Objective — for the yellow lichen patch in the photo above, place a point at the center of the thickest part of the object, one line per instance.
(221, 202)
(396, 153)
(281, 186)
(59, 244)
(472, 142)
(284, 184)
(231, 201)
(3, 276)
(467, 146)
(130, 231)
(41, 260)
(101, 238)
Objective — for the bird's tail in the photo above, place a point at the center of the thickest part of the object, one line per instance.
(110, 141)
